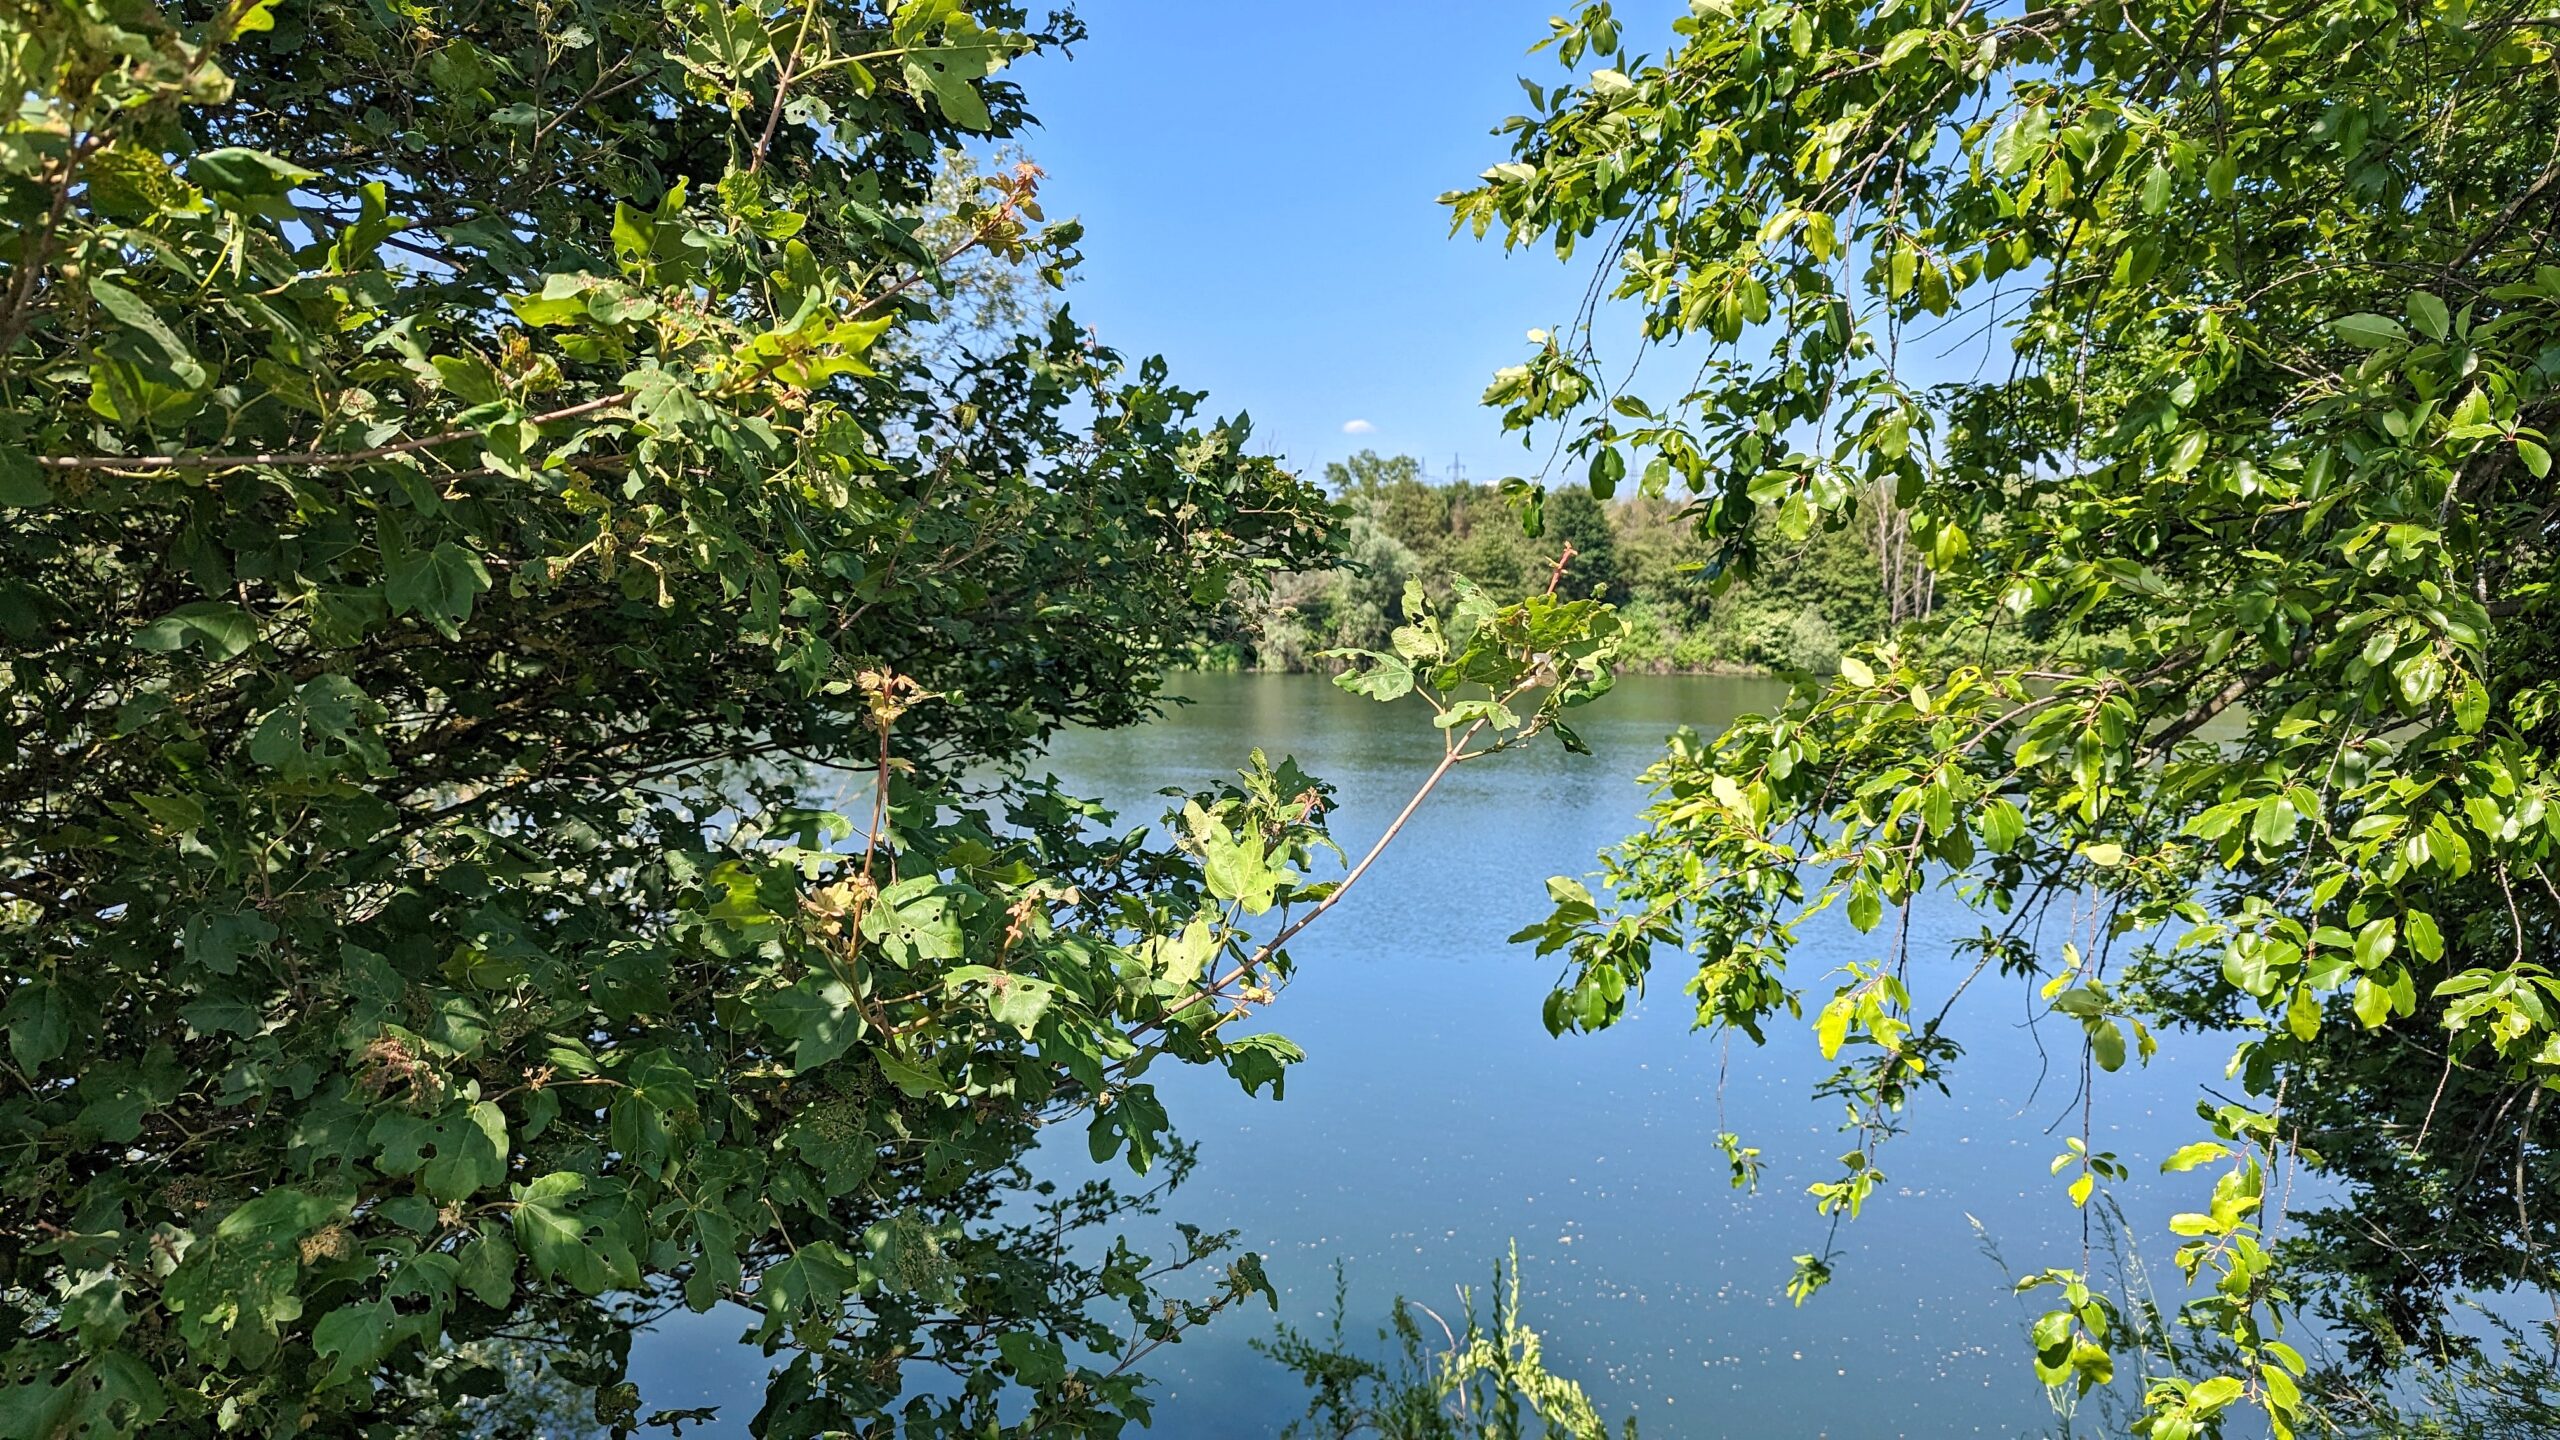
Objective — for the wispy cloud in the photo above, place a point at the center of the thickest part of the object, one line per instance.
(1358, 427)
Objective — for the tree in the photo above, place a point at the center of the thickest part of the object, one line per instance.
(1456, 529)
(1369, 474)
(2270, 455)
(1682, 608)
(476, 479)
(1575, 517)
(1303, 615)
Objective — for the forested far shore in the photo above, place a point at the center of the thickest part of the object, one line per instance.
(1806, 602)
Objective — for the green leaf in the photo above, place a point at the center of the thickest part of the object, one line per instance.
(2106, 1046)
(808, 1286)
(2276, 824)
(237, 1289)
(1384, 677)
(2428, 314)
(1259, 1060)
(2222, 175)
(574, 1230)
(2188, 1157)
(1036, 1359)
(145, 340)
(2185, 453)
(918, 919)
(2081, 1001)
(1186, 954)
(2002, 826)
(2156, 184)
(573, 299)
(22, 482)
(438, 585)
(2424, 937)
(1019, 1001)
(488, 1267)
(1608, 467)
(2372, 1003)
(2471, 706)
(456, 1154)
(2369, 331)
(1236, 867)
(179, 814)
(817, 1015)
(246, 172)
(221, 1015)
(94, 1307)
(2375, 942)
(39, 1020)
(1136, 1122)
(355, 1338)
(2214, 1394)
(949, 72)
(737, 37)
(911, 1077)
(2246, 968)
(2302, 1014)
(2421, 678)
(1831, 1030)
(113, 1394)
(2052, 1331)
(328, 727)
(1419, 642)
(217, 627)
(470, 379)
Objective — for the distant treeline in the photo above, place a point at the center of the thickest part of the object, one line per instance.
(1808, 602)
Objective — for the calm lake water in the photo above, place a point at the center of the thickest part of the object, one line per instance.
(1435, 1122)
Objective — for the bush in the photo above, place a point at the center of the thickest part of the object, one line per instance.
(459, 508)
(1811, 645)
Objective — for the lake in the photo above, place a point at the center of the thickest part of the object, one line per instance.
(1435, 1122)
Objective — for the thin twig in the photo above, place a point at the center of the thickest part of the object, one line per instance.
(782, 88)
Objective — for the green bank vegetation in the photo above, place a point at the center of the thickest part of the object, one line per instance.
(1836, 587)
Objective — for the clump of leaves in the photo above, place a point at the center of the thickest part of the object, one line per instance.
(2266, 478)
(463, 504)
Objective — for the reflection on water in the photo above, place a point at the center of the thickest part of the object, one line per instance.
(1435, 1121)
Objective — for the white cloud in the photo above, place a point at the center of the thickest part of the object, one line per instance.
(1358, 427)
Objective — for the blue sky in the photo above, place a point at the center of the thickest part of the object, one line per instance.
(1259, 183)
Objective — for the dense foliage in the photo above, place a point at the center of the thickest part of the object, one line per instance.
(455, 485)
(482, 483)
(2265, 475)
(1639, 553)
